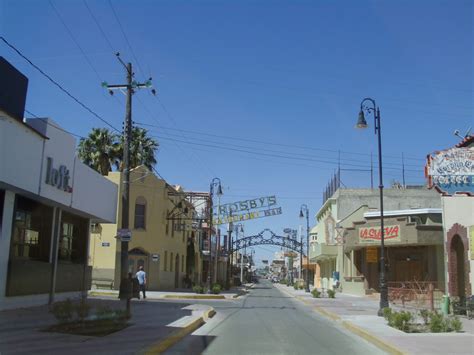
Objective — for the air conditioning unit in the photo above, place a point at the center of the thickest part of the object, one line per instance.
(96, 228)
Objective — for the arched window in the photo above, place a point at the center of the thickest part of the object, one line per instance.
(140, 213)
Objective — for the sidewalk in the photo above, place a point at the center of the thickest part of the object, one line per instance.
(151, 324)
(185, 294)
(359, 315)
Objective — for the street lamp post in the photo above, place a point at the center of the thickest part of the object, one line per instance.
(240, 228)
(229, 254)
(216, 182)
(305, 209)
(362, 123)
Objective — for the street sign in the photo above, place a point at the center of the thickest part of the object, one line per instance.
(371, 254)
(155, 257)
(125, 235)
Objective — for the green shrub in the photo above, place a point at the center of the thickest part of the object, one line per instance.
(437, 323)
(425, 315)
(216, 289)
(301, 287)
(402, 320)
(63, 311)
(456, 324)
(104, 312)
(331, 294)
(387, 313)
(283, 281)
(82, 310)
(316, 293)
(296, 286)
(198, 289)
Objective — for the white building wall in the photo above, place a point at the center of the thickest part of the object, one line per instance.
(20, 155)
(459, 209)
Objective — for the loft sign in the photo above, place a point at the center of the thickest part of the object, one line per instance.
(57, 177)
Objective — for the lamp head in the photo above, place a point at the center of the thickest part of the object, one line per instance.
(219, 190)
(361, 122)
(301, 213)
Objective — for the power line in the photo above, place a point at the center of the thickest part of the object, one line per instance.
(52, 124)
(285, 152)
(75, 40)
(99, 26)
(126, 38)
(268, 154)
(58, 85)
(274, 144)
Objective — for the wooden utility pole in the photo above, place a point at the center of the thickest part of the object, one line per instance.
(124, 233)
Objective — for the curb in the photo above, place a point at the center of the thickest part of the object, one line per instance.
(166, 343)
(197, 297)
(381, 344)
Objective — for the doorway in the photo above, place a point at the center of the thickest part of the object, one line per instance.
(458, 272)
(137, 257)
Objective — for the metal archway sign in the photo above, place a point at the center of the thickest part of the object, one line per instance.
(266, 237)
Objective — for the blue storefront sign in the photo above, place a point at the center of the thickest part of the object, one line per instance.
(451, 171)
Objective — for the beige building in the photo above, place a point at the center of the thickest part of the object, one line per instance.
(163, 240)
(413, 249)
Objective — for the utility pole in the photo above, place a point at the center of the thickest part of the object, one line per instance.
(125, 233)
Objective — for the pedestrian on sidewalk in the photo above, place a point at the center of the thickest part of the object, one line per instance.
(141, 276)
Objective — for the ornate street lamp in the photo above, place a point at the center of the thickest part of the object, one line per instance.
(362, 123)
(216, 182)
(304, 209)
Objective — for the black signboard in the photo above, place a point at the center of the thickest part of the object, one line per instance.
(13, 88)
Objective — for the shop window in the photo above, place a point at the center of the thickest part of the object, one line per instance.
(32, 226)
(73, 238)
(140, 213)
(166, 261)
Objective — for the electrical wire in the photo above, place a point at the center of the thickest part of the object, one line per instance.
(273, 143)
(87, 108)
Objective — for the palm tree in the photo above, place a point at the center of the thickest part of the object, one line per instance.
(142, 148)
(100, 150)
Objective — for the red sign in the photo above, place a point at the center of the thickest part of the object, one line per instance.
(373, 234)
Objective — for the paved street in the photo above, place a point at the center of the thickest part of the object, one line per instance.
(269, 321)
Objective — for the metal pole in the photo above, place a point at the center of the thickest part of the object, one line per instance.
(229, 255)
(300, 276)
(126, 182)
(218, 240)
(383, 283)
(209, 267)
(307, 250)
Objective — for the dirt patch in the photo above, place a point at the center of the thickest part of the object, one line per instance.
(97, 328)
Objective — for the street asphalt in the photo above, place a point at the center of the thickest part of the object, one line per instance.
(268, 321)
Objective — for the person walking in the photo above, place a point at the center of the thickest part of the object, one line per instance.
(141, 277)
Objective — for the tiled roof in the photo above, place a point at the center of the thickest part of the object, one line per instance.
(466, 142)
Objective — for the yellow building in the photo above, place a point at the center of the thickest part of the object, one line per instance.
(163, 241)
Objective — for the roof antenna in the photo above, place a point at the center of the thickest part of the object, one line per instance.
(468, 132)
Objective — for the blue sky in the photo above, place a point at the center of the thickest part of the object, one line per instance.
(277, 74)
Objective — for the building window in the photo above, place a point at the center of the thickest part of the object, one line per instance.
(171, 262)
(140, 213)
(32, 226)
(182, 263)
(166, 261)
(65, 241)
(172, 228)
(73, 238)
